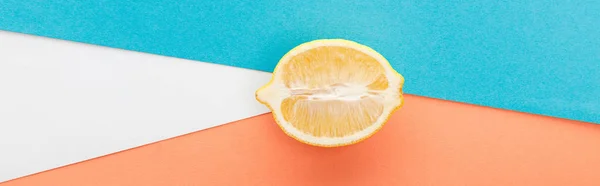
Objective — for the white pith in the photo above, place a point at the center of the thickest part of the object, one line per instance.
(276, 92)
(345, 92)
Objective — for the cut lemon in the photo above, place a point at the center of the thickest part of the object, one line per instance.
(332, 92)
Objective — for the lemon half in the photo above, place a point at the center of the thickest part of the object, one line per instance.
(332, 92)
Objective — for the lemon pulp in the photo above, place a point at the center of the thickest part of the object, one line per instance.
(332, 92)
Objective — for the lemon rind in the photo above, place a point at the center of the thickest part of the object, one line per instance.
(389, 109)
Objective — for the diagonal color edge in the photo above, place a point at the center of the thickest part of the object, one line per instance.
(536, 56)
(63, 102)
(428, 142)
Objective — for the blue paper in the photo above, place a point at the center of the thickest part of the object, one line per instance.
(534, 56)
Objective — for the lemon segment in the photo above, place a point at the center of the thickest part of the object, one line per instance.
(332, 92)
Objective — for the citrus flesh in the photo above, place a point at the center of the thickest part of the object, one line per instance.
(332, 92)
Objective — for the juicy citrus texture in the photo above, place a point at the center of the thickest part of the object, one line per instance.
(332, 92)
(332, 79)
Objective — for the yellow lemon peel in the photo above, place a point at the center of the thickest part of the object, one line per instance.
(332, 92)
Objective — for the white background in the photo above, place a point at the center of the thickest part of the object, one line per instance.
(63, 102)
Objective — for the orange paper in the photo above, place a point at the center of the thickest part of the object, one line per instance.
(427, 142)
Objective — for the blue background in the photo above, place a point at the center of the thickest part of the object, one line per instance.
(535, 56)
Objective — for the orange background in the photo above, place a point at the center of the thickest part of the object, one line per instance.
(427, 142)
